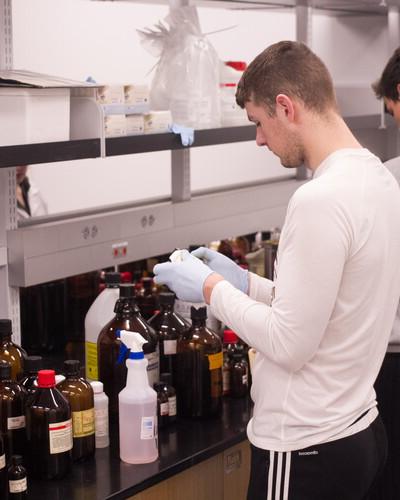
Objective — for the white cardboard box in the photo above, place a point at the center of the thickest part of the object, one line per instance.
(33, 115)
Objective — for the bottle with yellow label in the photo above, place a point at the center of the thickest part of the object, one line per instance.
(199, 369)
(80, 395)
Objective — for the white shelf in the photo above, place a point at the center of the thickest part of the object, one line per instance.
(56, 250)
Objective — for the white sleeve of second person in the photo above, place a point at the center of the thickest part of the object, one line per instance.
(314, 244)
(260, 289)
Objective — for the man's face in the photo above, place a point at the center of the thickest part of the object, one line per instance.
(21, 173)
(393, 108)
(275, 133)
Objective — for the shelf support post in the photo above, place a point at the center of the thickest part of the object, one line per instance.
(180, 175)
(9, 296)
(6, 50)
(304, 35)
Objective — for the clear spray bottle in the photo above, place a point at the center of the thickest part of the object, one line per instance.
(137, 406)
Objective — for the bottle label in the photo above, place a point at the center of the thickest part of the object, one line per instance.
(164, 409)
(172, 406)
(60, 437)
(16, 422)
(101, 422)
(169, 346)
(147, 428)
(2, 461)
(215, 360)
(18, 486)
(92, 371)
(83, 423)
(245, 380)
(153, 367)
(226, 380)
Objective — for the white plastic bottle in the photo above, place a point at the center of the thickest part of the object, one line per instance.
(98, 315)
(101, 425)
(229, 76)
(137, 407)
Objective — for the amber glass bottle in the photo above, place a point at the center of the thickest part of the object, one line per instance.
(3, 469)
(112, 368)
(17, 480)
(169, 327)
(80, 395)
(147, 298)
(11, 352)
(32, 365)
(12, 412)
(49, 430)
(199, 369)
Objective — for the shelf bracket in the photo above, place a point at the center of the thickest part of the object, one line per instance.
(6, 39)
(9, 296)
(180, 175)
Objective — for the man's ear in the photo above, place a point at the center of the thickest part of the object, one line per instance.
(284, 107)
(398, 91)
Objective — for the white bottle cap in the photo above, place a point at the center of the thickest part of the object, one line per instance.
(97, 386)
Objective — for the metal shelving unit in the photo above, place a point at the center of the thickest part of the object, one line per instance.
(65, 246)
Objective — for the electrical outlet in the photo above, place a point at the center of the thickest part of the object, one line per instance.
(119, 249)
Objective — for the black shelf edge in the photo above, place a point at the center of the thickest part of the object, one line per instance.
(167, 141)
(48, 152)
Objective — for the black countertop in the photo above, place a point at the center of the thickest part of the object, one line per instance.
(181, 446)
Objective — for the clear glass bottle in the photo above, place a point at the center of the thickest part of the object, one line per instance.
(169, 327)
(11, 352)
(49, 430)
(112, 370)
(17, 479)
(199, 369)
(101, 423)
(12, 412)
(80, 395)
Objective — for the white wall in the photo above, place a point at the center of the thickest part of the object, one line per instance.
(77, 38)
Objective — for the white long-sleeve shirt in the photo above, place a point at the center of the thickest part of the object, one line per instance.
(322, 327)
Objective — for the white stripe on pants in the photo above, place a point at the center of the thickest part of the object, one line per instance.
(278, 476)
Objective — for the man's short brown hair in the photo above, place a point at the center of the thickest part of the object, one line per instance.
(289, 68)
(386, 86)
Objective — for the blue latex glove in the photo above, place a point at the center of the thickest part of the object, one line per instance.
(186, 133)
(185, 278)
(221, 264)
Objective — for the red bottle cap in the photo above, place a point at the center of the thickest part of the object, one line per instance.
(126, 277)
(230, 337)
(238, 65)
(46, 378)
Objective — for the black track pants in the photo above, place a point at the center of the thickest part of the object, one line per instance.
(344, 469)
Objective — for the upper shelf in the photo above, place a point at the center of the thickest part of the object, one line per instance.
(356, 7)
(25, 154)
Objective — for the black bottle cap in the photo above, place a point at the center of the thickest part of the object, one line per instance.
(126, 290)
(17, 460)
(166, 378)
(158, 386)
(32, 364)
(112, 279)
(5, 328)
(166, 298)
(5, 370)
(199, 314)
(72, 367)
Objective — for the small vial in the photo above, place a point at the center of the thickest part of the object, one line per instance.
(17, 480)
(101, 426)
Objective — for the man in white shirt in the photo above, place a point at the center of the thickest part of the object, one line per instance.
(321, 327)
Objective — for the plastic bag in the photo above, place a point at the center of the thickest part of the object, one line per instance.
(187, 75)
